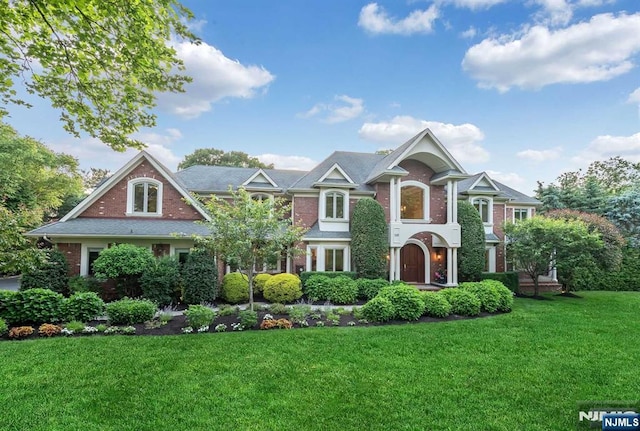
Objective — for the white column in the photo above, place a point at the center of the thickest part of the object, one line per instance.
(454, 199)
(392, 264)
(449, 202)
(397, 257)
(392, 200)
(308, 260)
(454, 258)
(449, 266)
(398, 198)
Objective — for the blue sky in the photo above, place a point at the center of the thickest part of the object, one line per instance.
(524, 90)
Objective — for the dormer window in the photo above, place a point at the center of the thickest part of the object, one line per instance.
(261, 197)
(144, 197)
(334, 205)
(484, 207)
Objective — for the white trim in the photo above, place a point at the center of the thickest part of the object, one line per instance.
(320, 256)
(264, 174)
(489, 199)
(269, 195)
(486, 177)
(492, 258)
(335, 167)
(416, 139)
(131, 185)
(84, 254)
(322, 208)
(426, 197)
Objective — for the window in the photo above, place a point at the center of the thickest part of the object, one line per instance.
(520, 214)
(483, 207)
(92, 255)
(182, 254)
(260, 197)
(314, 259)
(334, 259)
(412, 203)
(334, 205)
(144, 197)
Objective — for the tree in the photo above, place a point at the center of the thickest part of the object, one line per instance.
(369, 239)
(101, 63)
(624, 211)
(471, 254)
(249, 231)
(215, 157)
(538, 243)
(17, 252)
(93, 176)
(125, 263)
(52, 274)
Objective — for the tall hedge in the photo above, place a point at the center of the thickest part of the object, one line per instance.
(52, 274)
(471, 254)
(369, 239)
(161, 281)
(199, 278)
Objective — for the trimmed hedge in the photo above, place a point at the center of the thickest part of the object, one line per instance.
(407, 301)
(128, 311)
(283, 288)
(317, 287)
(8, 306)
(509, 279)
(486, 293)
(37, 306)
(304, 275)
(259, 281)
(343, 290)
(82, 307)
(463, 302)
(161, 281)
(369, 288)
(235, 288)
(199, 277)
(52, 274)
(435, 305)
(379, 309)
(471, 254)
(505, 296)
(369, 239)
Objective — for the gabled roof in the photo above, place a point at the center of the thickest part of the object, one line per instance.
(335, 175)
(315, 234)
(122, 173)
(216, 179)
(475, 185)
(260, 179)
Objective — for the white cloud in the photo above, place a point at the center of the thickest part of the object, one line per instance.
(288, 162)
(511, 179)
(597, 50)
(469, 33)
(345, 109)
(635, 96)
(215, 77)
(375, 19)
(463, 140)
(540, 155)
(473, 4)
(607, 146)
(555, 12)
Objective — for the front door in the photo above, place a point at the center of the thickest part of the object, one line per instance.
(412, 264)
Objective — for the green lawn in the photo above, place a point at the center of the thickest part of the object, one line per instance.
(520, 371)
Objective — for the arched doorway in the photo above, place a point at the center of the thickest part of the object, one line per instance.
(412, 261)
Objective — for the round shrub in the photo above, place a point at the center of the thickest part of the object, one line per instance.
(82, 307)
(283, 288)
(3, 327)
(369, 288)
(39, 306)
(379, 309)
(199, 277)
(406, 301)
(235, 287)
(463, 303)
(248, 319)
(259, 280)
(505, 295)
(52, 274)
(128, 311)
(317, 287)
(435, 305)
(343, 290)
(124, 263)
(198, 316)
(486, 293)
(160, 282)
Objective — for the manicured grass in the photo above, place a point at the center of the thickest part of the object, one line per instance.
(521, 371)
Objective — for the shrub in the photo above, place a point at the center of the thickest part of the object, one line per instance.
(259, 281)
(462, 302)
(369, 288)
(471, 254)
(305, 275)
(9, 306)
(39, 306)
(486, 293)
(505, 295)
(235, 287)
(317, 287)
(75, 326)
(198, 316)
(369, 238)
(277, 308)
(435, 305)
(379, 309)
(199, 278)
(124, 263)
(52, 274)
(80, 283)
(49, 330)
(228, 310)
(276, 324)
(283, 288)
(21, 331)
(3, 327)
(299, 313)
(248, 319)
(509, 279)
(343, 290)
(160, 282)
(128, 311)
(82, 306)
(407, 301)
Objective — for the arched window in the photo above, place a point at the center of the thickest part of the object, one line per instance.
(414, 201)
(334, 205)
(260, 197)
(484, 207)
(144, 197)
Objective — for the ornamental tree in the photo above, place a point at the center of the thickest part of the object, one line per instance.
(247, 231)
(369, 239)
(471, 254)
(100, 63)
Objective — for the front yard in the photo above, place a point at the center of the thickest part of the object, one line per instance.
(524, 370)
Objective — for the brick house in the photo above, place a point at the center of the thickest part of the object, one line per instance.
(417, 184)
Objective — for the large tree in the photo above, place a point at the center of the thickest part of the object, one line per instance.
(247, 231)
(624, 211)
(100, 63)
(216, 157)
(471, 254)
(369, 239)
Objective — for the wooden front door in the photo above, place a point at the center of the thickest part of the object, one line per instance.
(412, 264)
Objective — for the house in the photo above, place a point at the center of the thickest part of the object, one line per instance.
(417, 184)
